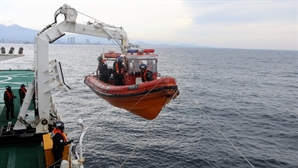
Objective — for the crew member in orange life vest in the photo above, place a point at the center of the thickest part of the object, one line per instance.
(8, 100)
(22, 93)
(59, 141)
(146, 74)
(119, 71)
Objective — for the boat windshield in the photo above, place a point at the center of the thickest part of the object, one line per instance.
(133, 65)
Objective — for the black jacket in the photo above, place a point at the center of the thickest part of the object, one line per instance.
(147, 77)
(103, 68)
(22, 94)
(9, 99)
(59, 143)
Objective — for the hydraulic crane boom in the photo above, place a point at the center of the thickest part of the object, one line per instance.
(48, 74)
(98, 29)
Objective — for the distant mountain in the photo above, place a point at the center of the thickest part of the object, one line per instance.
(19, 34)
(16, 33)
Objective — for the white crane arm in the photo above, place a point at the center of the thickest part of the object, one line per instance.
(54, 32)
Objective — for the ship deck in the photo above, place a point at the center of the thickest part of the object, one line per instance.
(23, 152)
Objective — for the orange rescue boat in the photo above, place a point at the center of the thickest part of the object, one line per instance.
(145, 99)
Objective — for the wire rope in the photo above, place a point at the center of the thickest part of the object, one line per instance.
(139, 142)
(216, 126)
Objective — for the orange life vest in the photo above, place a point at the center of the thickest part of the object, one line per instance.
(24, 90)
(10, 96)
(119, 71)
(143, 75)
(56, 130)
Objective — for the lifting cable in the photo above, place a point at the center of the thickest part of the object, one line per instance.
(134, 104)
(139, 142)
(132, 152)
(215, 125)
(103, 25)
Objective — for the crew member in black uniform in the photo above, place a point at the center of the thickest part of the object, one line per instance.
(119, 71)
(146, 74)
(8, 100)
(22, 93)
(102, 70)
(59, 141)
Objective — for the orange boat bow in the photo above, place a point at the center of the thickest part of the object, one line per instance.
(144, 99)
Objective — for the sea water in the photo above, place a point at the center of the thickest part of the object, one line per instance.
(243, 97)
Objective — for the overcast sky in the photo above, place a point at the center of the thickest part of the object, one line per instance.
(252, 24)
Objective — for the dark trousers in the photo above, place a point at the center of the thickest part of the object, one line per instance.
(9, 110)
(118, 79)
(57, 158)
(105, 79)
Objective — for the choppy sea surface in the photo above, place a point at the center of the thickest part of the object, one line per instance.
(251, 96)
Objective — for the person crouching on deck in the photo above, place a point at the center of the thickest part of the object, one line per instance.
(146, 74)
(59, 141)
